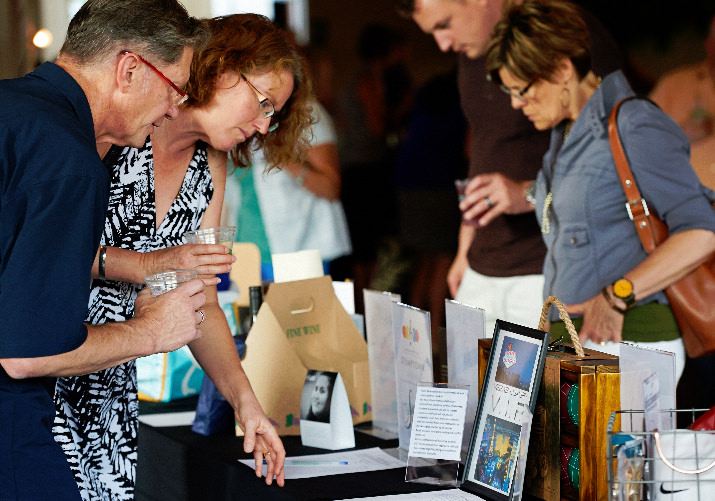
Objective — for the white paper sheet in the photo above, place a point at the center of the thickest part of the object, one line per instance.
(445, 495)
(438, 423)
(319, 465)
(168, 419)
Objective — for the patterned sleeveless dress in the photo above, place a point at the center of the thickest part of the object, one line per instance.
(97, 414)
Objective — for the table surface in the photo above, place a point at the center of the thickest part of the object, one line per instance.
(176, 463)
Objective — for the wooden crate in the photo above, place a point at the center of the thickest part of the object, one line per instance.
(598, 382)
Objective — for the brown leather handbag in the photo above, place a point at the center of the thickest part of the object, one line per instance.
(692, 298)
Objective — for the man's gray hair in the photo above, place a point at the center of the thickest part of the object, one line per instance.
(158, 27)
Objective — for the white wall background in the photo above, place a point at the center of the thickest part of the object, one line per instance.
(56, 14)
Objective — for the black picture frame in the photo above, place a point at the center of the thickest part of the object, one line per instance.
(511, 384)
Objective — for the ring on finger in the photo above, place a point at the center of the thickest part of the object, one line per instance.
(203, 317)
(488, 202)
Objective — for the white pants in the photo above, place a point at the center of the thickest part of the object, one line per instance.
(515, 299)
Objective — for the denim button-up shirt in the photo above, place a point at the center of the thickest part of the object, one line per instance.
(591, 241)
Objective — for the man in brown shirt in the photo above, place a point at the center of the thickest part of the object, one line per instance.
(500, 256)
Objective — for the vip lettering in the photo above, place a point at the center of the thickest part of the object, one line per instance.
(506, 407)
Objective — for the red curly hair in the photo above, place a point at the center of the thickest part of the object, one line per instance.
(244, 43)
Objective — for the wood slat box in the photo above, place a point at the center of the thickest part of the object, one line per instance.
(554, 432)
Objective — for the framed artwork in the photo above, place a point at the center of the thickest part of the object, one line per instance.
(511, 384)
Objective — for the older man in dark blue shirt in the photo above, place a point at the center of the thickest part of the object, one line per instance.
(53, 199)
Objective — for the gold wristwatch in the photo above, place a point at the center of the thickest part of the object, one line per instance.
(623, 290)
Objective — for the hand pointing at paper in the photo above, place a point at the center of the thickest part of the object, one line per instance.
(261, 438)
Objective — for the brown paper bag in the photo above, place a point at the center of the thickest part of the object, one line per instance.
(300, 326)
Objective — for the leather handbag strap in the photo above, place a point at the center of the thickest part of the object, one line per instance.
(636, 205)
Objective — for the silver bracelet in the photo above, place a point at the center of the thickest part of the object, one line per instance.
(102, 260)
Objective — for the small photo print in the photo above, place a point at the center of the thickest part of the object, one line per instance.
(516, 363)
(317, 396)
(497, 453)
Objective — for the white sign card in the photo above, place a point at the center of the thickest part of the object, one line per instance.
(325, 419)
(438, 422)
(381, 358)
(345, 292)
(636, 364)
(413, 362)
(465, 327)
(301, 265)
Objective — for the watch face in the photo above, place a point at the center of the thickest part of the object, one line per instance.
(622, 287)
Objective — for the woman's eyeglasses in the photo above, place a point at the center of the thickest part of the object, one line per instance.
(518, 94)
(264, 105)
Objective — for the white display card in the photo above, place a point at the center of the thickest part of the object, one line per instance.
(636, 364)
(381, 358)
(465, 327)
(413, 362)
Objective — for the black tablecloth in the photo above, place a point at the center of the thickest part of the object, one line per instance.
(177, 464)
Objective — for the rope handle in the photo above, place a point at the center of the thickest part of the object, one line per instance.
(656, 436)
(563, 314)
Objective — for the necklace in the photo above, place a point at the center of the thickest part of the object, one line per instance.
(545, 224)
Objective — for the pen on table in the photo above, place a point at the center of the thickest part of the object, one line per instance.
(298, 462)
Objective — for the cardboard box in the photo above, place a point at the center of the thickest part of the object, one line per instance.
(302, 326)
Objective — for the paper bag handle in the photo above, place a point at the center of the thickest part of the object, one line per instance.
(656, 436)
(563, 314)
(310, 308)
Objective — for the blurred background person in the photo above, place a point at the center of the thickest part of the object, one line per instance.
(431, 157)
(246, 81)
(296, 207)
(687, 94)
(371, 112)
(540, 56)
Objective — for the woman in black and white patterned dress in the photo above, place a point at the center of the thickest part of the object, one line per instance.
(250, 75)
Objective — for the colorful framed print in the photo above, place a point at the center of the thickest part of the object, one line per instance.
(511, 384)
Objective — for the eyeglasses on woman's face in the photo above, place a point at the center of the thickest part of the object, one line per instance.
(516, 93)
(265, 106)
(179, 97)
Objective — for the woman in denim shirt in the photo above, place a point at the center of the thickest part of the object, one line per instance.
(539, 55)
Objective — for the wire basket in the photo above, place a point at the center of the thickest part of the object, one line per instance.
(642, 467)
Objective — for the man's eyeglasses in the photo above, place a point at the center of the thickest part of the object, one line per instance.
(518, 94)
(265, 105)
(181, 96)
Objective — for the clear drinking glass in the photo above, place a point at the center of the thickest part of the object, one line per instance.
(461, 185)
(159, 283)
(220, 235)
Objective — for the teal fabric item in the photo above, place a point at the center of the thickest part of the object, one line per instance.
(249, 222)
